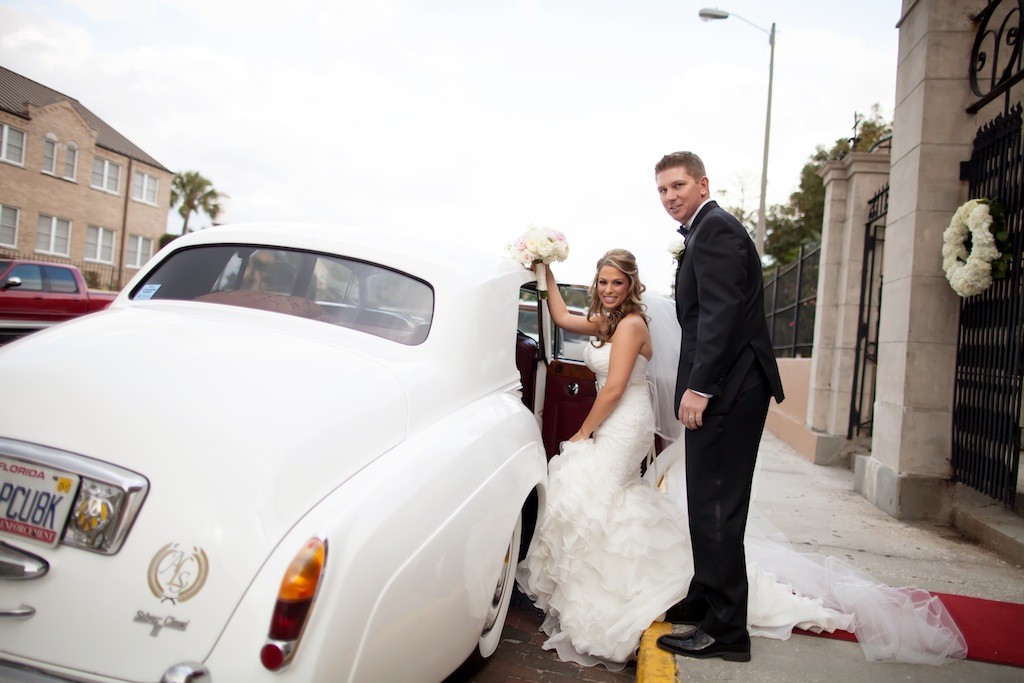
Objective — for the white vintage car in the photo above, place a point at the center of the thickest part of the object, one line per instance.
(285, 453)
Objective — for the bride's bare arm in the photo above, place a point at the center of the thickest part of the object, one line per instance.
(630, 338)
(560, 312)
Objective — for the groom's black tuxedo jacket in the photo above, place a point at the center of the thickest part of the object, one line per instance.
(720, 306)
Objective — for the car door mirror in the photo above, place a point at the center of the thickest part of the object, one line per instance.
(12, 282)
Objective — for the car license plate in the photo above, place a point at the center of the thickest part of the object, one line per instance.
(34, 500)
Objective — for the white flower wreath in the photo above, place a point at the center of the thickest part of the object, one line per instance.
(969, 273)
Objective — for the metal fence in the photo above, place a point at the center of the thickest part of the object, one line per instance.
(97, 275)
(865, 355)
(989, 371)
(790, 300)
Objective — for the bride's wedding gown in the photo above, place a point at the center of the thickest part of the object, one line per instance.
(611, 553)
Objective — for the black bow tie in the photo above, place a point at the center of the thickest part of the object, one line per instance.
(684, 231)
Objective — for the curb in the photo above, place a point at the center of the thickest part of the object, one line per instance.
(654, 665)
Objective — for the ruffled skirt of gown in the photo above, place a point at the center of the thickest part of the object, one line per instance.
(610, 553)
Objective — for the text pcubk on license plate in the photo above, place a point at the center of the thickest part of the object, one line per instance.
(34, 500)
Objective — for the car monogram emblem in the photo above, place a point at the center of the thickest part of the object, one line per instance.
(176, 574)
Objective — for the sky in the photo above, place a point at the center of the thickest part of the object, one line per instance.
(467, 119)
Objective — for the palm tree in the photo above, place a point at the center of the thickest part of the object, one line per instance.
(195, 193)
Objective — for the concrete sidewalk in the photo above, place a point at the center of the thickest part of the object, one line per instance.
(818, 510)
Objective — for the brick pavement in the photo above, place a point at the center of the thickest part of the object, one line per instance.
(521, 658)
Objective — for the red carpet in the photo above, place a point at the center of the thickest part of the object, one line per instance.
(994, 630)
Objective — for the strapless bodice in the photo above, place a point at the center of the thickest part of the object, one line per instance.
(598, 359)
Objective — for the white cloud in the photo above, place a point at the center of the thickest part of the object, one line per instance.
(51, 45)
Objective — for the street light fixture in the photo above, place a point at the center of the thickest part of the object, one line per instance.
(708, 14)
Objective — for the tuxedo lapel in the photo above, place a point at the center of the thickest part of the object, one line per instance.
(695, 224)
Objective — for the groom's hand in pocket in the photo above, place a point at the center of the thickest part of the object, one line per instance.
(691, 409)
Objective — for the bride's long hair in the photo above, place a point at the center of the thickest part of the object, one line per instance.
(624, 262)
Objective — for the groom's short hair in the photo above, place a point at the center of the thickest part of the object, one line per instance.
(688, 160)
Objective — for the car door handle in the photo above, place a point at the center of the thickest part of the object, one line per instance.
(573, 388)
(23, 612)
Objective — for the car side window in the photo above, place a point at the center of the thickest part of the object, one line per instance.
(31, 277)
(529, 322)
(570, 345)
(61, 280)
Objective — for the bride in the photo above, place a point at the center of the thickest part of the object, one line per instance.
(611, 552)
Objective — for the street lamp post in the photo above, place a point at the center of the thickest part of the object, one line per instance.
(707, 14)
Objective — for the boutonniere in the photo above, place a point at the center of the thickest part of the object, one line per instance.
(676, 248)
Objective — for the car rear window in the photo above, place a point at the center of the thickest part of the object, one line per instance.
(336, 290)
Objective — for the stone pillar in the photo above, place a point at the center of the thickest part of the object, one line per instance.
(908, 470)
(849, 184)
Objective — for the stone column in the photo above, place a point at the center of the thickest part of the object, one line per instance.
(849, 184)
(908, 470)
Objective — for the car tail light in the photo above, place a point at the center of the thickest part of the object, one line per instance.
(294, 602)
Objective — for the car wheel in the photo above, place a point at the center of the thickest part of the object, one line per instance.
(496, 611)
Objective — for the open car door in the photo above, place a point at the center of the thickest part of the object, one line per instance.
(560, 388)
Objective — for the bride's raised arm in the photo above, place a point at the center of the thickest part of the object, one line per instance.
(560, 312)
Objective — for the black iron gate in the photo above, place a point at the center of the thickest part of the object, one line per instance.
(865, 360)
(987, 397)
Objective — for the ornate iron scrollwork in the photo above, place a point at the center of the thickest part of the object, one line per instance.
(996, 55)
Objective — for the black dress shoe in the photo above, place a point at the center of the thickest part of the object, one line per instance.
(688, 614)
(700, 645)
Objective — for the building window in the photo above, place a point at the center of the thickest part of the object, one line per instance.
(140, 250)
(53, 235)
(106, 175)
(50, 154)
(12, 145)
(99, 244)
(144, 188)
(9, 226)
(71, 161)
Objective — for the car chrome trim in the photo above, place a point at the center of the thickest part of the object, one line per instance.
(23, 612)
(187, 672)
(133, 485)
(16, 564)
(21, 673)
(24, 324)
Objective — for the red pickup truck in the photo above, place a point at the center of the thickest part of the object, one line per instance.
(34, 295)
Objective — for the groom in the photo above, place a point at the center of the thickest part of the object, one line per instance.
(727, 375)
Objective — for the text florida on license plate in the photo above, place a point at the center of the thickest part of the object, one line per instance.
(34, 500)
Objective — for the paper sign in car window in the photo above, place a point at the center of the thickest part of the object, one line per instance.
(146, 292)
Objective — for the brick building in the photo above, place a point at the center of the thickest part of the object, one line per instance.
(73, 189)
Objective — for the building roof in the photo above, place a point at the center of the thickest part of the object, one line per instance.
(16, 90)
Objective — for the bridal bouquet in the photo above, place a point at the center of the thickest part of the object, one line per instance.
(539, 247)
